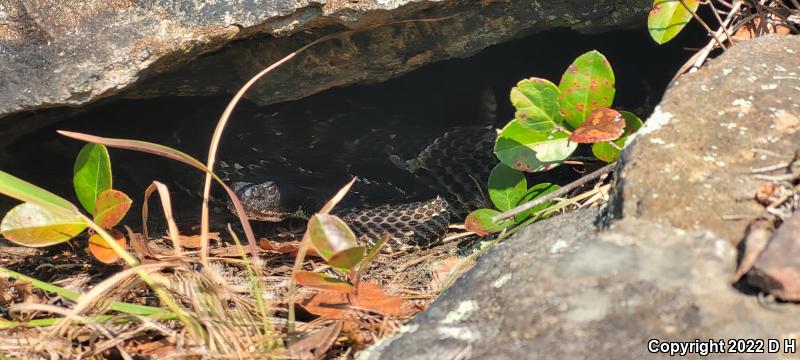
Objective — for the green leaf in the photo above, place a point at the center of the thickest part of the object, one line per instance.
(668, 18)
(91, 174)
(586, 86)
(373, 251)
(322, 282)
(27, 192)
(346, 260)
(533, 193)
(330, 235)
(531, 151)
(480, 222)
(536, 101)
(506, 186)
(111, 208)
(29, 224)
(326, 209)
(608, 153)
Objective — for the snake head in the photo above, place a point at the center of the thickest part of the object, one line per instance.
(267, 201)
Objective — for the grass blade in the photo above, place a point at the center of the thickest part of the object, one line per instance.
(132, 309)
(22, 190)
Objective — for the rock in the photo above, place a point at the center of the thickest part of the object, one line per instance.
(777, 270)
(661, 268)
(561, 290)
(689, 165)
(71, 53)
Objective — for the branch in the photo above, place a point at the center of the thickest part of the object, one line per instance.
(555, 194)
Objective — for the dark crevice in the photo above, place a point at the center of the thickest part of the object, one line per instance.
(435, 97)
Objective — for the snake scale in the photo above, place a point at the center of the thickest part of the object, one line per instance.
(414, 201)
(417, 172)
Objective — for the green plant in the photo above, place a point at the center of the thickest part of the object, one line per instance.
(335, 242)
(31, 224)
(667, 18)
(549, 123)
(735, 20)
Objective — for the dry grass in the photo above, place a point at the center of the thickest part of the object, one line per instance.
(219, 297)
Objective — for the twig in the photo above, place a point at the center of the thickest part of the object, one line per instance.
(770, 168)
(776, 178)
(558, 193)
(457, 236)
(698, 58)
(705, 26)
(719, 20)
(735, 217)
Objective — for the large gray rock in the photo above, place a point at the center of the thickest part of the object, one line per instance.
(689, 165)
(661, 270)
(560, 290)
(70, 53)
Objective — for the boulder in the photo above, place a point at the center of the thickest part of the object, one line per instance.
(690, 165)
(72, 53)
(563, 289)
(652, 271)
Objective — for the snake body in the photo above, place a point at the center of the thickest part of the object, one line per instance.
(414, 201)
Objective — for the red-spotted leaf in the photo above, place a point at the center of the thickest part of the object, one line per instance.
(530, 151)
(536, 101)
(608, 153)
(602, 125)
(480, 222)
(29, 224)
(347, 260)
(111, 207)
(586, 86)
(668, 18)
(322, 282)
(330, 235)
(99, 248)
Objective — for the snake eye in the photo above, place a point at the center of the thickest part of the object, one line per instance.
(268, 188)
(246, 191)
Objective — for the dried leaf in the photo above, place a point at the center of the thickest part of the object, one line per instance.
(444, 269)
(193, 241)
(766, 193)
(777, 269)
(756, 240)
(288, 247)
(100, 249)
(316, 344)
(601, 125)
(140, 247)
(369, 296)
(155, 348)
